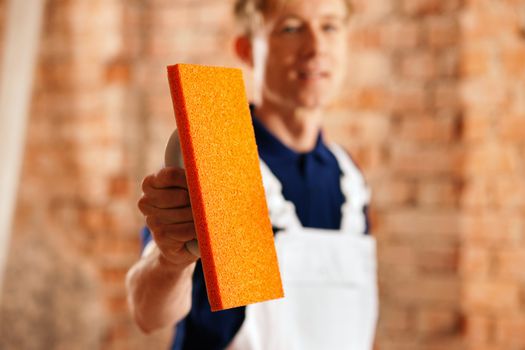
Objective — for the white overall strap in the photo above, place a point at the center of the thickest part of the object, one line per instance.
(355, 190)
(282, 212)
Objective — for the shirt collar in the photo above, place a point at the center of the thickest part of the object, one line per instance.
(269, 145)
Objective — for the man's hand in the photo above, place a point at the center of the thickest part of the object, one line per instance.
(159, 285)
(165, 203)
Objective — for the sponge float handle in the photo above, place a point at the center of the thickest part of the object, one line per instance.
(173, 157)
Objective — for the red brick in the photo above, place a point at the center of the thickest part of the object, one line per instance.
(487, 94)
(491, 346)
(476, 194)
(393, 193)
(436, 193)
(418, 66)
(121, 245)
(489, 24)
(450, 342)
(448, 64)
(510, 331)
(169, 18)
(421, 291)
(159, 105)
(424, 225)
(512, 128)
(56, 75)
(398, 259)
(409, 98)
(376, 9)
(474, 61)
(369, 67)
(124, 216)
(512, 60)
(477, 126)
(370, 98)
(428, 161)
(510, 263)
(492, 296)
(402, 34)
(394, 319)
(366, 37)
(437, 322)
(389, 343)
(438, 260)
(371, 157)
(442, 32)
(114, 276)
(478, 330)
(491, 159)
(117, 330)
(94, 219)
(372, 127)
(475, 262)
(118, 72)
(488, 228)
(422, 7)
(508, 193)
(119, 186)
(446, 96)
(426, 129)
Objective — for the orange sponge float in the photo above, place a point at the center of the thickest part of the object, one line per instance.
(225, 185)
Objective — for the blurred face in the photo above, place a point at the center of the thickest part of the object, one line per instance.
(300, 52)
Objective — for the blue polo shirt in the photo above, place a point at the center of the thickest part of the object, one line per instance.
(311, 181)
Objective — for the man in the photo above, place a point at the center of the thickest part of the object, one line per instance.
(298, 52)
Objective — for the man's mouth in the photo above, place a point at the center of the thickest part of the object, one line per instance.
(312, 75)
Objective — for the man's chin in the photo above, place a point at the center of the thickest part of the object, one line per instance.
(307, 100)
(313, 102)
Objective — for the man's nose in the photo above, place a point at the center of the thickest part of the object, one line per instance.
(314, 43)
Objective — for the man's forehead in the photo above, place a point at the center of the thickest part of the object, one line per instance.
(276, 7)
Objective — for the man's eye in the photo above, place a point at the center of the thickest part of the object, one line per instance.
(330, 27)
(290, 29)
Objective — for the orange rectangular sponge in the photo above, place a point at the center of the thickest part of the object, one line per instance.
(225, 185)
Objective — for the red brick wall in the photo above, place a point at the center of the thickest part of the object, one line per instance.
(85, 153)
(493, 201)
(433, 111)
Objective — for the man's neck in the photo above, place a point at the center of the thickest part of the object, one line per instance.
(298, 129)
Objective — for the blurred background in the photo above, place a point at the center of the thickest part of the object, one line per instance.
(433, 111)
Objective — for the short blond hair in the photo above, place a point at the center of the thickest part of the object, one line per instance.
(249, 13)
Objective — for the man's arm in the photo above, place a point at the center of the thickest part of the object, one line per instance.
(159, 292)
(159, 284)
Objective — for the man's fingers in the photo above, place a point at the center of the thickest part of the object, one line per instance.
(193, 247)
(174, 234)
(169, 177)
(166, 198)
(166, 216)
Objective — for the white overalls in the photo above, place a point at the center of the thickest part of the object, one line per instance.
(329, 277)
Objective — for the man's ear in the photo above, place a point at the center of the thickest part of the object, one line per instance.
(243, 49)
